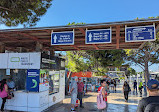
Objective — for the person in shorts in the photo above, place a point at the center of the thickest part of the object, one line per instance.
(73, 92)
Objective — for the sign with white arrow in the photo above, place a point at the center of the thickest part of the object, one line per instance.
(140, 33)
(98, 36)
(62, 38)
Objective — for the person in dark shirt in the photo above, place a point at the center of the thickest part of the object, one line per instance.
(80, 85)
(153, 90)
(126, 90)
(114, 84)
(135, 87)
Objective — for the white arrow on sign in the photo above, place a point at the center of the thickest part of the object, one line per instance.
(90, 37)
(55, 38)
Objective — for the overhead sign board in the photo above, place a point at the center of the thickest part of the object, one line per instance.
(98, 36)
(140, 33)
(62, 38)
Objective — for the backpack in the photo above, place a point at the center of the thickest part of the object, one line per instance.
(152, 107)
(101, 104)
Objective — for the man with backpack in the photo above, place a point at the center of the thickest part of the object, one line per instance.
(151, 103)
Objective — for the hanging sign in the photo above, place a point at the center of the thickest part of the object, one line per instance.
(140, 33)
(98, 36)
(62, 38)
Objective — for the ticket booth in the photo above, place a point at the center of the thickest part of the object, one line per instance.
(39, 80)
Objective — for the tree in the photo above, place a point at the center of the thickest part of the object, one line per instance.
(75, 63)
(131, 71)
(145, 57)
(26, 12)
(104, 58)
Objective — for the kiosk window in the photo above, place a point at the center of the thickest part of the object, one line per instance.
(19, 78)
(49, 80)
(54, 78)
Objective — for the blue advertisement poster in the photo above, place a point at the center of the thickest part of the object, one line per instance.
(33, 80)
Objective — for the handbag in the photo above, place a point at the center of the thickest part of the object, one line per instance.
(101, 104)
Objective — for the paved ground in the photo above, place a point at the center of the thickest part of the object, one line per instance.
(116, 103)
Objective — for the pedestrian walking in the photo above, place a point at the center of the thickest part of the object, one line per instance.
(85, 87)
(104, 95)
(135, 87)
(107, 87)
(112, 85)
(144, 86)
(151, 103)
(3, 93)
(126, 90)
(80, 85)
(115, 84)
(140, 88)
(73, 92)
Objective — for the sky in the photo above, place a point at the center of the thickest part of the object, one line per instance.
(97, 11)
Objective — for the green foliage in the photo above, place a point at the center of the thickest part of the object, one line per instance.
(73, 23)
(149, 53)
(108, 57)
(131, 71)
(147, 18)
(96, 61)
(26, 12)
(76, 62)
(121, 78)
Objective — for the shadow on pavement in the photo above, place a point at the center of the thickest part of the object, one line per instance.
(129, 100)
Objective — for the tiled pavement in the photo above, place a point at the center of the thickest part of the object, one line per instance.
(116, 103)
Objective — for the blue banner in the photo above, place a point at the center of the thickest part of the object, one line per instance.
(98, 36)
(62, 38)
(141, 33)
(33, 80)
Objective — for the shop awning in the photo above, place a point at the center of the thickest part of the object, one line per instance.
(81, 74)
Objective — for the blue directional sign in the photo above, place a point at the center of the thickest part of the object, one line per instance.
(62, 38)
(141, 33)
(98, 36)
(33, 80)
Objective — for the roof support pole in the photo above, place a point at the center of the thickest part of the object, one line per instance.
(52, 52)
(21, 49)
(157, 28)
(39, 47)
(117, 36)
(2, 48)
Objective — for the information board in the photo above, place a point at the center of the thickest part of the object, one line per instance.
(62, 38)
(98, 36)
(140, 33)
